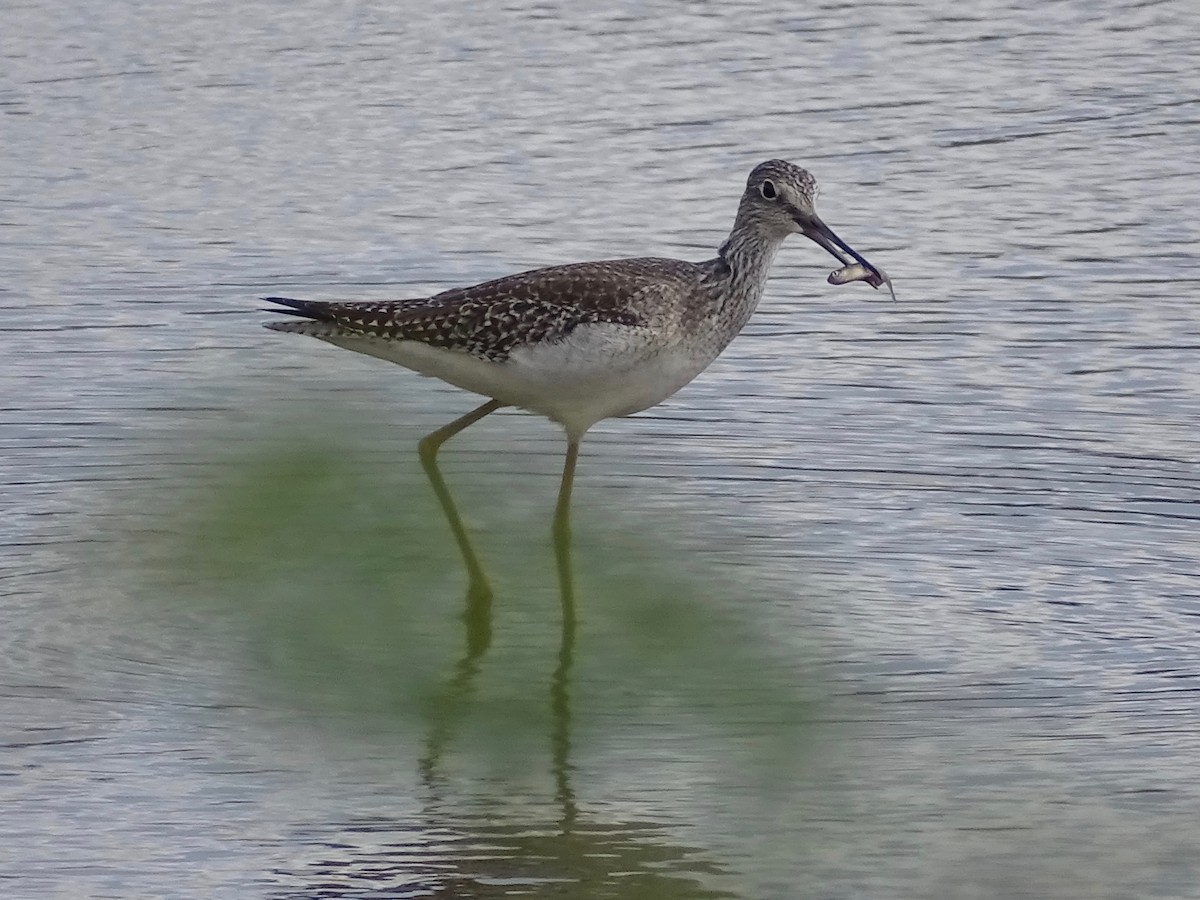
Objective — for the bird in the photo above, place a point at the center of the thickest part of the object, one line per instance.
(582, 342)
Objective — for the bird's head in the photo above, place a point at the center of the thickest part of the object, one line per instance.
(779, 200)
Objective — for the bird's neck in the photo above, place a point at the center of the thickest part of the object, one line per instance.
(747, 254)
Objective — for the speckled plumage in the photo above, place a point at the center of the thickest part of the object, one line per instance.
(488, 320)
(586, 341)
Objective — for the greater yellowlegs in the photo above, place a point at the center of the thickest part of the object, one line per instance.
(582, 342)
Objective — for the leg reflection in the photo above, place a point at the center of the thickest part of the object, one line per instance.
(560, 707)
(562, 535)
(477, 622)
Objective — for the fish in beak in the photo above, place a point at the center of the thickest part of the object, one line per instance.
(854, 266)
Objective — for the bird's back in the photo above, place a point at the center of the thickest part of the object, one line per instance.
(493, 318)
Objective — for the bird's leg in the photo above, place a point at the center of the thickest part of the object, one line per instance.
(562, 535)
(478, 591)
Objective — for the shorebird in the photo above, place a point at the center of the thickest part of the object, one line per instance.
(586, 341)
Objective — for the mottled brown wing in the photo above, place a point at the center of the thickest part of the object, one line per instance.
(492, 318)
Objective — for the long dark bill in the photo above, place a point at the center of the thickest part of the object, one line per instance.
(817, 231)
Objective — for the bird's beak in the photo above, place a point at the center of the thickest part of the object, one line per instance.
(817, 231)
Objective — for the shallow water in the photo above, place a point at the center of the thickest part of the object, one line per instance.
(896, 600)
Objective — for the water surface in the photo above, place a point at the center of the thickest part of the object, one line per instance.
(896, 600)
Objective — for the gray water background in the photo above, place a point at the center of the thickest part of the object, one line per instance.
(973, 512)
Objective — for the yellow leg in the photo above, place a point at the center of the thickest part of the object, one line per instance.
(562, 536)
(478, 589)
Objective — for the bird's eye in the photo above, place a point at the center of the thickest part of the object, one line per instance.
(767, 189)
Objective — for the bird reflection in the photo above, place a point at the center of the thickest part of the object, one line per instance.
(458, 851)
(477, 628)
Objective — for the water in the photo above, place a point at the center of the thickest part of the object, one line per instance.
(897, 600)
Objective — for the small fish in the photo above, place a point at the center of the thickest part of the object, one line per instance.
(876, 278)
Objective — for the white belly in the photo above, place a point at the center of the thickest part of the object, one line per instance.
(599, 371)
